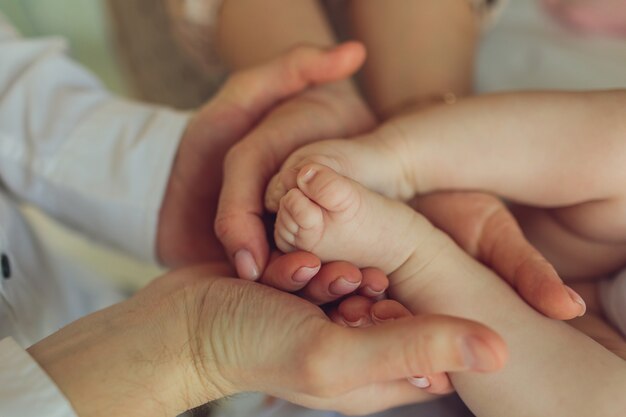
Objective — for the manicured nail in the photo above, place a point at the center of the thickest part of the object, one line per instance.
(477, 355)
(305, 273)
(246, 266)
(577, 299)
(342, 286)
(308, 175)
(419, 381)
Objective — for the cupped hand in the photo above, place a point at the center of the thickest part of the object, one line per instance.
(249, 337)
(186, 222)
(357, 311)
(325, 111)
(480, 223)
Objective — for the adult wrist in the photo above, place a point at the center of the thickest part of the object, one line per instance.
(121, 361)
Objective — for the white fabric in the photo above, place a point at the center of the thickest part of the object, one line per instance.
(613, 298)
(524, 50)
(20, 374)
(96, 163)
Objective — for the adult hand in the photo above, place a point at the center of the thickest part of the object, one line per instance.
(332, 110)
(185, 229)
(357, 311)
(190, 337)
(484, 227)
(480, 223)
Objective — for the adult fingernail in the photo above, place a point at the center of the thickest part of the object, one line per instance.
(308, 175)
(359, 323)
(342, 286)
(305, 273)
(378, 318)
(246, 266)
(577, 299)
(371, 293)
(477, 355)
(419, 381)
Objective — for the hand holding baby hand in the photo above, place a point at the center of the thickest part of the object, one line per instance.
(479, 223)
(320, 112)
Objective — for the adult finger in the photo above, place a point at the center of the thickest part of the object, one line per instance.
(483, 226)
(248, 167)
(333, 281)
(253, 91)
(423, 345)
(354, 311)
(374, 283)
(290, 272)
(438, 383)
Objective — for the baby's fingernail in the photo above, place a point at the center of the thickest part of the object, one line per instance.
(308, 175)
(246, 266)
(477, 355)
(577, 299)
(342, 286)
(305, 273)
(419, 381)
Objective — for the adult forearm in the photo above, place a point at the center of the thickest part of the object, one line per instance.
(418, 51)
(254, 31)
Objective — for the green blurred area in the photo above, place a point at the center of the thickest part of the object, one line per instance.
(84, 23)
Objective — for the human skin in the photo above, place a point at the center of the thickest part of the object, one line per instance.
(404, 68)
(185, 229)
(336, 218)
(571, 144)
(194, 335)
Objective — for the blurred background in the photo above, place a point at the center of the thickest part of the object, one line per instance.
(129, 44)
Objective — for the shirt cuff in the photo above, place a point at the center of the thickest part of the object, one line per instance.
(25, 389)
(112, 188)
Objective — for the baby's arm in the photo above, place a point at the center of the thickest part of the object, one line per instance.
(553, 369)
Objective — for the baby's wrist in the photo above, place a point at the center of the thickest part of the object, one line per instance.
(393, 171)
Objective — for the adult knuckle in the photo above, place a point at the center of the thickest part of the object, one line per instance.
(224, 224)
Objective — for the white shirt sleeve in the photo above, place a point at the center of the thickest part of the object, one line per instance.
(25, 389)
(96, 162)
